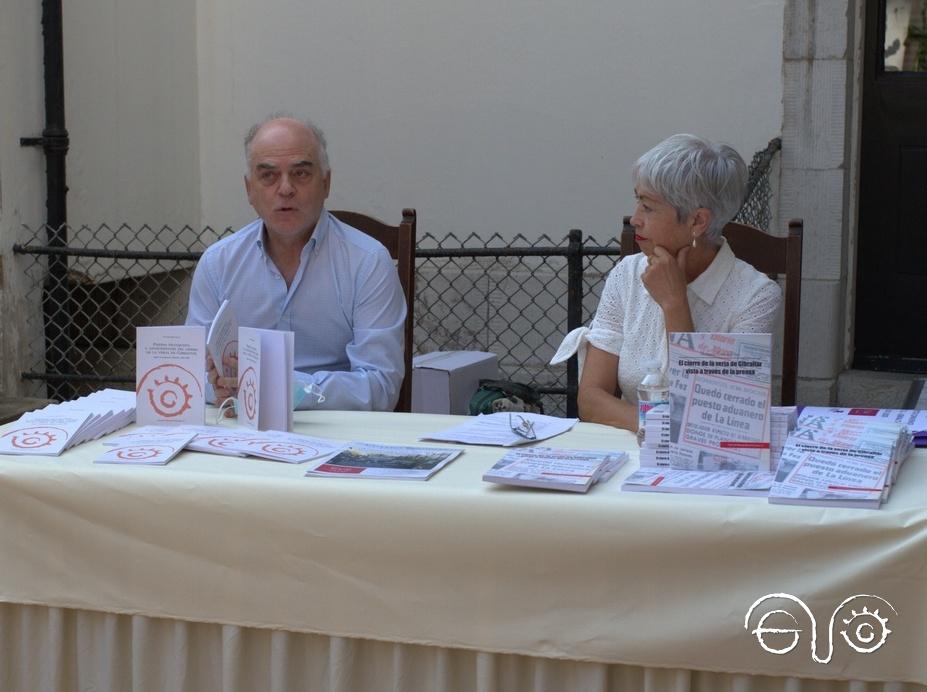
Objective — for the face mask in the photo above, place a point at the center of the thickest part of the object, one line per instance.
(299, 395)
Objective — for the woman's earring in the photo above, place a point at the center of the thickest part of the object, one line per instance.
(693, 241)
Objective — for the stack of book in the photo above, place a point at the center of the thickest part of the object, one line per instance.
(840, 462)
(656, 445)
(574, 470)
(655, 451)
(699, 482)
(57, 427)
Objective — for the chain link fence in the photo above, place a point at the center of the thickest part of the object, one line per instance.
(513, 298)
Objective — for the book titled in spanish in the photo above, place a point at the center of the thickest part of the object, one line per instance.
(574, 470)
(719, 401)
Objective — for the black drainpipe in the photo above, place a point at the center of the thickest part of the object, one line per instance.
(56, 298)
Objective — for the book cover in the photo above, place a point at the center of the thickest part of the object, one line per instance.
(170, 377)
(363, 460)
(720, 401)
(573, 470)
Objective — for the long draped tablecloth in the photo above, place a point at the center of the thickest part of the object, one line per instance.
(616, 581)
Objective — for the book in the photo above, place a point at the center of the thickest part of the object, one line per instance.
(840, 462)
(749, 483)
(573, 470)
(57, 427)
(913, 420)
(720, 401)
(170, 378)
(265, 379)
(365, 460)
(222, 338)
(155, 448)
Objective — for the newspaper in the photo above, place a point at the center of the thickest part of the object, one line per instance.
(719, 401)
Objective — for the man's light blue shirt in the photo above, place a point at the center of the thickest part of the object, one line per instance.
(345, 307)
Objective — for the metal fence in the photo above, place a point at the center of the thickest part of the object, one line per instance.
(515, 298)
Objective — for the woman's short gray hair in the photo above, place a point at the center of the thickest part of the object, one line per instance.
(316, 130)
(691, 172)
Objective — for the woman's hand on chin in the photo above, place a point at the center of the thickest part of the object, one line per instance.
(665, 278)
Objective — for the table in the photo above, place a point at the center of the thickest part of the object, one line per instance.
(220, 573)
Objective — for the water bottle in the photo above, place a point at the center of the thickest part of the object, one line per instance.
(652, 391)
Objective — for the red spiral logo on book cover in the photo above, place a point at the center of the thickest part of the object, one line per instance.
(35, 437)
(141, 453)
(247, 393)
(169, 389)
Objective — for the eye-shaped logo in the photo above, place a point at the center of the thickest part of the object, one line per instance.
(247, 393)
(35, 437)
(866, 629)
(142, 453)
(170, 389)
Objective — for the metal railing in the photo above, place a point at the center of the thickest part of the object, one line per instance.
(516, 299)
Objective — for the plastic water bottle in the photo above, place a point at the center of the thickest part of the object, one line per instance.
(652, 391)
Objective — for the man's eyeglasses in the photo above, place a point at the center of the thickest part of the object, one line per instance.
(522, 427)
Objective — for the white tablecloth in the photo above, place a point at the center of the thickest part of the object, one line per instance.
(635, 581)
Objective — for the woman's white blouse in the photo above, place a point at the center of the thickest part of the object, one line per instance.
(729, 296)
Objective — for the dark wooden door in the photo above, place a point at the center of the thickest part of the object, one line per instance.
(891, 295)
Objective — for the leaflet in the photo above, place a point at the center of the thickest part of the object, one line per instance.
(504, 429)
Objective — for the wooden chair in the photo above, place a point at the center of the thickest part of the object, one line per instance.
(400, 242)
(772, 256)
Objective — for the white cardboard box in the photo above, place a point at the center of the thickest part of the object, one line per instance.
(444, 381)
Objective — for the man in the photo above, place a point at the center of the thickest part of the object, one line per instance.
(297, 268)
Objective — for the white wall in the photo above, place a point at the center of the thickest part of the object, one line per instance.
(22, 177)
(518, 116)
(131, 110)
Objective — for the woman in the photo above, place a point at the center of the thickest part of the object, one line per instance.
(685, 279)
